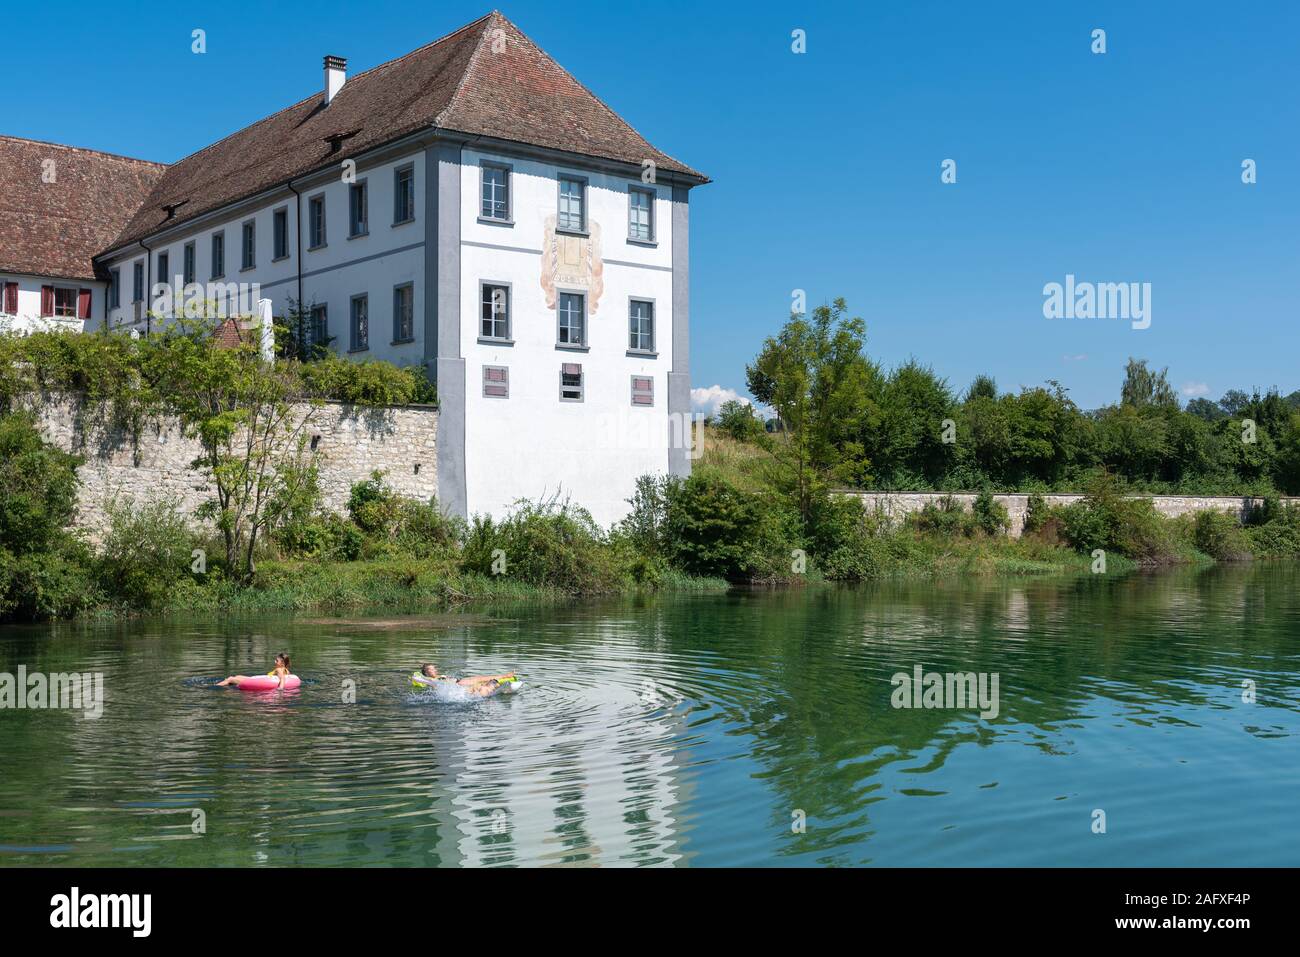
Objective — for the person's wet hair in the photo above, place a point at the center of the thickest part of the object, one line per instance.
(284, 657)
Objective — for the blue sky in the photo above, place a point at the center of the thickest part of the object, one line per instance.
(1120, 167)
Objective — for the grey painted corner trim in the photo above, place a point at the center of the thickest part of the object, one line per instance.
(679, 377)
(452, 492)
(681, 281)
(442, 340)
(679, 424)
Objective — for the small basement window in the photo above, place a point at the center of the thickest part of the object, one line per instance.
(496, 382)
(643, 390)
(571, 382)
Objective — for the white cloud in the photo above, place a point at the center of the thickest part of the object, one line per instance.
(710, 399)
(1075, 358)
(1193, 389)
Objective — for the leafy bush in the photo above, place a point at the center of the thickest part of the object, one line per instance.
(947, 516)
(38, 488)
(44, 586)
(423, 531)
(1220, 536)
(990, 514)
(737, 420)
(713, 528)
(1036, 513)
(373, 506)
(546, 544)
(146, 549)
(1105, 518)
(1279, 536)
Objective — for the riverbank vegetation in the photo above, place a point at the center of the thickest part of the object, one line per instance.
(758, 508)
(853, 423)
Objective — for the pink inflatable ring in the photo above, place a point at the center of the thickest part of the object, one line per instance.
(267, 683)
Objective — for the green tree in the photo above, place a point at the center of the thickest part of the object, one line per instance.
(1144, 388)
(816, 377)
(250, 416)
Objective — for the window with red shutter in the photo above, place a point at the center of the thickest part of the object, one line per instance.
(643, 390)
(83, 303)
(496, 382)
(47, 300)
(11, 298)
(571, 382)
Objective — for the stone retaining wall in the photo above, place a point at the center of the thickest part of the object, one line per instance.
(349, 443)
(898, 505)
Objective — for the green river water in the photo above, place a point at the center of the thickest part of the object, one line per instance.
(738, 729)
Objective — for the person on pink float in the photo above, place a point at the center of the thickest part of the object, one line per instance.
(280, 672)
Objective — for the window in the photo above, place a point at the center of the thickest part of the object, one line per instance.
(572, 317)
(403, 195)
(571, 382)
(280, 234)
(164, 267)
(573, 201)
(218, 255)
(249, 245)
(495, 192)
(187, 263)
(496, 382)
(316, 222)
(360, 323)
(10, 304)
(358, 209)
(114, 288)
(640, 215)
(641, 325)
(643, 390)
(319, 331)
(137, 282)
(494, 322)
(404, 313)
(65, 302)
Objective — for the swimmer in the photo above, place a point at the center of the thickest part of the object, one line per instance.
(481, 685)
(279, 672)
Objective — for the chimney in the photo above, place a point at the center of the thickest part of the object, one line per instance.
(335, 76)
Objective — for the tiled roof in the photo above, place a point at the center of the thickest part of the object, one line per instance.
(486, 78)
(60, 205)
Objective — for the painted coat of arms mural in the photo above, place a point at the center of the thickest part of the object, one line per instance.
(572, 262)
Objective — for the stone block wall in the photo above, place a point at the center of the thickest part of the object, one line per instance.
(349, 443)
(898, 505)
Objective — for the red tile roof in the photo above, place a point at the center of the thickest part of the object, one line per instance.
(60, 205)
(485, 78)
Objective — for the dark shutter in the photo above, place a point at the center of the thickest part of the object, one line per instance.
(47, 300)
(11, 298)
(83, 303)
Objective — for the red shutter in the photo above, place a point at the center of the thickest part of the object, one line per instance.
(83, 303)
(47, 300)
(643, 390)
(11, 298)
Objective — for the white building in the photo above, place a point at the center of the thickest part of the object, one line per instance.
(59, 206)
(469, 207)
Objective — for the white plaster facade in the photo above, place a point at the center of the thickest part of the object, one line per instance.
(27, 317)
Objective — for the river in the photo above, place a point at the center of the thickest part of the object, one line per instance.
(754, 728)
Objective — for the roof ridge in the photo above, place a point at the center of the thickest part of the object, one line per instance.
(469, 67)
(420, 49)
(559, 66)
(80, 149)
